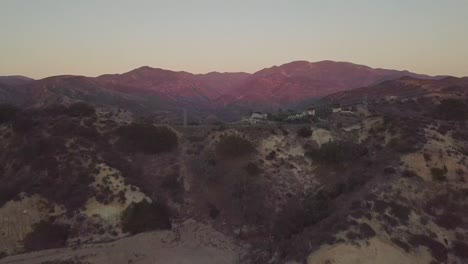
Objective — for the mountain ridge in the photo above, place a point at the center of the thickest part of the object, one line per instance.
(215, 92)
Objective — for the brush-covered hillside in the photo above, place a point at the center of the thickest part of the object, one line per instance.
(380, 180)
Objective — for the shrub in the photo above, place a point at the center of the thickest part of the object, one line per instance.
(460, 249)
(173, 185)
(145, 216)
(55, 109)
(271, 155)
(365, 231)
(252, 169)
(23, 124)
(411, 135)
(449, 221)
(337, 152)
(80, 110)
(403, 145)
(146, 138)
(438, 174)
(8, 191)
(298, 215)
(171, 182)
(304, 132)
(389, 170)
(452, 109)
(46, 235)
(290, 220)
(403, 245)
(400, 212)
(460, 135)
(316, 207)
(437, 249)
(213, 211)
(408, 174)
(277, 117)
(323, 111)
(233, 146)
(7, 113)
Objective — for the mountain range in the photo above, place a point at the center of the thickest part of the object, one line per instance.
(230, 95)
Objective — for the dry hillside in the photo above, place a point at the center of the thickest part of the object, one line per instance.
(375, 182)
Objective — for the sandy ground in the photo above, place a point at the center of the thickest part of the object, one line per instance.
(17, 219)
(289, 146)
(321, 136)
(188, 243)
(373, 252)
(111, 212)
(366, 125)
(437, 149)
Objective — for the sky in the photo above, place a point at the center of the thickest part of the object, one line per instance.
(40, 38)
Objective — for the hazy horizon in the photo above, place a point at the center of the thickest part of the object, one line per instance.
(47, 38)
(182, 70)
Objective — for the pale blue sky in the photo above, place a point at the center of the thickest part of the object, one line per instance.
(90, 37)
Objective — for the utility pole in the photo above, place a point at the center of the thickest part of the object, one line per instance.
(365, 100)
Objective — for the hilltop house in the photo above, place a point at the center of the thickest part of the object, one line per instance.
(255, 117)
(307, 113)
(310, 111)
(258, 115)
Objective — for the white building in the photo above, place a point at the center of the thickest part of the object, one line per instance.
(309, 112)
(258, 115)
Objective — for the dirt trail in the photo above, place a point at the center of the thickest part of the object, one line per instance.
(188, 243)
(375, 251)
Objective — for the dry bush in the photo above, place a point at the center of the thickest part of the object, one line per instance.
(403, 245)
(172, 184)
(252, 169)
(48, 166)
(409, 174)
(23, 124)
(460, 249)
(411, 135)
(447, 210)
(46, 235)
(146, 138)
(7, 113)
(233, 146)
(452, 109)
(461, 135)
(63, 181)
(438, 250)
(144, 216)
(271, 155)
(213, 211)
(313, 208)
(8, 191)
(304, 132)
(449, 221)
(337, 152)
(438, 174)
(397, 211)
(402, 145)
(323, 111)
(80, 109)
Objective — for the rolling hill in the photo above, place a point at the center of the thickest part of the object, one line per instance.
(228, 96)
